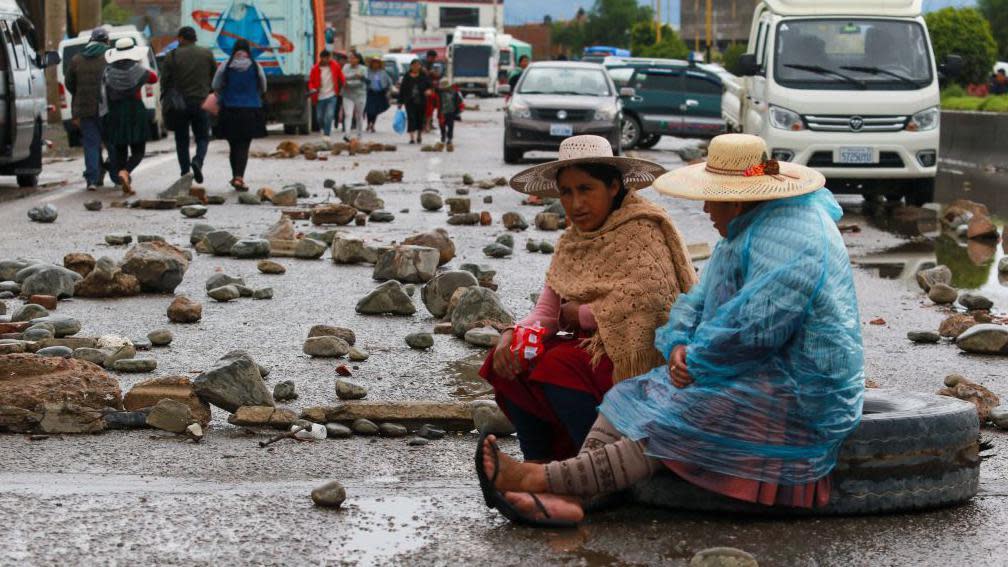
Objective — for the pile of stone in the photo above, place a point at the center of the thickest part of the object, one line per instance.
(975, 330)
(969, 219)
(502, 247)
(985, 401)
(223, 288)
(288, 149)
(457, 299)
(326, 341)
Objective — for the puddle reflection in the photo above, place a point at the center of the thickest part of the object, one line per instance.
(465, 372)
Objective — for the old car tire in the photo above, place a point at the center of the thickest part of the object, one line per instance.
(910, 452)
(630, 132)
(649, 141)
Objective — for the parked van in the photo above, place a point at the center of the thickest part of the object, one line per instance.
(849, 88)
(23, 94)
(151, 94)
(474, 58)
(670, 98)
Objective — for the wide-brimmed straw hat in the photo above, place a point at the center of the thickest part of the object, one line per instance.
(738, 169)
(541, 179)
(125, 48)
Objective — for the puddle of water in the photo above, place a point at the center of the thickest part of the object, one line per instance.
(973, 264)
(465, 372)
(983, 186)
(389, 526)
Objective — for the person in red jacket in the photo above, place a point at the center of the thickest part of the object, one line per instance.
(324, 85)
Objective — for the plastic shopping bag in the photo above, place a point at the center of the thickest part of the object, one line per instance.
(399, 121)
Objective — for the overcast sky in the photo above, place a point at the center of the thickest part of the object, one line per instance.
(524, 11)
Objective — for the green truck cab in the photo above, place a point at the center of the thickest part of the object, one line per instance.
(669, 98)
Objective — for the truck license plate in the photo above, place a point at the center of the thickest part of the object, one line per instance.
(855, 155)
(565, 130)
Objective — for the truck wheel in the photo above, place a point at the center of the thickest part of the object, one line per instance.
(920, 192)
(27, 180)
(290, 129)
(910, 452)
(650, 141)
(512, 155)
(631, 132)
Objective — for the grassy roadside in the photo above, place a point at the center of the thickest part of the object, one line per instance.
(955, 98)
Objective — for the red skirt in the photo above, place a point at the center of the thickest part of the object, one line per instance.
(563, 363)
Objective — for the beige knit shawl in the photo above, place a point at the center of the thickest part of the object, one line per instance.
(630, 272)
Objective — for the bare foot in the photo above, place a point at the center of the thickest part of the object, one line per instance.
(512, 475)
(559, 507)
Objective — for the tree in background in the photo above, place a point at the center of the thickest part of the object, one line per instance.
(644, 43)
(114, 14)
(967, 33)
(730, 57)
(609, 22)
(996, 12)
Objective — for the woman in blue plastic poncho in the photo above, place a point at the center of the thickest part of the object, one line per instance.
(765, 364)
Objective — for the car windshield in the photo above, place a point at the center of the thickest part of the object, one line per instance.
(558, 80)
(852, 54)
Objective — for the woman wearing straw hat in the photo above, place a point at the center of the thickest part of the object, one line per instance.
(618, 268)
(124, 116)
(765, 372)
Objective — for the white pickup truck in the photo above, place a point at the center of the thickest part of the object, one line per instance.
(847, 87)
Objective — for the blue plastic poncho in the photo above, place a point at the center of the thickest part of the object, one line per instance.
(773, 343)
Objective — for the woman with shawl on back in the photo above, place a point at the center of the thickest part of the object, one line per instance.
(240, 84)
(617, 270)
(124, 116)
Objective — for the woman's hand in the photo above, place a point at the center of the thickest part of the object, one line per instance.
(570, 315)
(677, 368)
(505, 362)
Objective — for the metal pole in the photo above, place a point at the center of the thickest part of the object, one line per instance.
(658, 21)
(55, 29)
(709, 26)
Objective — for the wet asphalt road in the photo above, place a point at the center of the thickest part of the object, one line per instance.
(147, 497)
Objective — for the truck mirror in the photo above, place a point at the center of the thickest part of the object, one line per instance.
(952, 67)
(504, 89)
(627, 92)
(50, 59)
(747, 65)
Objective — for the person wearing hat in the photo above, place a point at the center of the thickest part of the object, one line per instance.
(765, 372)
(618, 267)
(124, 116)
(378, 84)
(83, 81)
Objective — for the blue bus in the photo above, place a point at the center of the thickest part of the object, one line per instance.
(598, 53)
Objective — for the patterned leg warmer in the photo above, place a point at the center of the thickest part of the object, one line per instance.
(607, 463)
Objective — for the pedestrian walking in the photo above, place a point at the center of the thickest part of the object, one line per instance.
(240, 84)
(434, 76)
(378, 85)
(354, 93)
(188, 70)
(124, 116)
(325, 81)
(450, 105)
(523, 63)
(413, 91)
(430, 59)
(330, 37)
(84, 81)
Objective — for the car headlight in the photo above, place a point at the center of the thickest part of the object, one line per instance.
(924, 120)
(785, 119)
(604, 114)
(519, 111)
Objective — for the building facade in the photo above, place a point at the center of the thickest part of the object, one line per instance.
(730, 22)
(394, 25)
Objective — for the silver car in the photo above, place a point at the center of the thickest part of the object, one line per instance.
(554, 100)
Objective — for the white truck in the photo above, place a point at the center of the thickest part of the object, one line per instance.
(847, 87)
(473, 58)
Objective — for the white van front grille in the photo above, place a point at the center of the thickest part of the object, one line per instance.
(855, 123)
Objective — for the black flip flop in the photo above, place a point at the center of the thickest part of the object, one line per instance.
(511, 513)
(486, 484)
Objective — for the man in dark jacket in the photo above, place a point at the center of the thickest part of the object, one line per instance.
(83, 81)
(190, 69)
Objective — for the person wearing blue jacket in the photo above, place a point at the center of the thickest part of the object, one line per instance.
(240, 84)
(764, 377)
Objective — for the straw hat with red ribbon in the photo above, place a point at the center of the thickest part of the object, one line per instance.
(739, 169)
